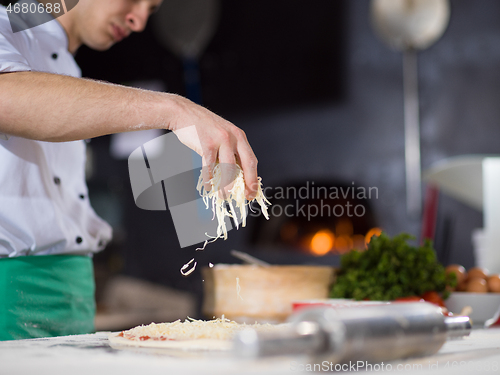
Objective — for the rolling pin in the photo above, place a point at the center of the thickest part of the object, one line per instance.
(369, 333)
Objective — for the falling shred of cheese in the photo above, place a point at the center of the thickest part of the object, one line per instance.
(236, 195)
(192, 329)
(238, 289)
(186, 273)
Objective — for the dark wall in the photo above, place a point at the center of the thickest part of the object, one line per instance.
(263, 55)
(361, 140)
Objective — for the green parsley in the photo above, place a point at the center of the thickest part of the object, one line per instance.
(391, 268)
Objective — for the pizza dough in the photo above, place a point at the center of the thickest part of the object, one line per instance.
(192, 334)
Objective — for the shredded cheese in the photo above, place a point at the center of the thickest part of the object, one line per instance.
(192, 329)
(236, 195)
(238, 289)
(185, 273)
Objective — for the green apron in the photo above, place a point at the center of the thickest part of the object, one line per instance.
(49, 295)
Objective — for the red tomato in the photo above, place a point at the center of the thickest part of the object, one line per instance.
(433, 297)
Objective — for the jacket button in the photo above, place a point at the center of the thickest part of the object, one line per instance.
(82, 196)
(79, 240)
(57, 181)
(54, 56)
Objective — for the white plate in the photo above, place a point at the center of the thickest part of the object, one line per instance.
(484, 306)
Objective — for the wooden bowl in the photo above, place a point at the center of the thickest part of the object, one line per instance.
(248, 293)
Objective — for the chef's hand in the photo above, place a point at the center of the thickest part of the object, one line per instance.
(216, 140)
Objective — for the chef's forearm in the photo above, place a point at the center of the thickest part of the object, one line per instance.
(49, 107)
(52, 107)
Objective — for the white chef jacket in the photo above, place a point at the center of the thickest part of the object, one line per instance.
(44, 205)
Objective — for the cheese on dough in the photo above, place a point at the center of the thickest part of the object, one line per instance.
(192, 329)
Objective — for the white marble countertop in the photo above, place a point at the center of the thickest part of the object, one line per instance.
(92, 355)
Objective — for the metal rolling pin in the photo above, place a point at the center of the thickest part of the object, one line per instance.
(371, 333)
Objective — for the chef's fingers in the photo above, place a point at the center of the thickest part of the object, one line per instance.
(227, 163)
(248, 162)
(208, 163)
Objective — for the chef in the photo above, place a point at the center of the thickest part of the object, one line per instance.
(48, 230)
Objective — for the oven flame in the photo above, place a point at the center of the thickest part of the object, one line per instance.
(325, 241)
(322, 242)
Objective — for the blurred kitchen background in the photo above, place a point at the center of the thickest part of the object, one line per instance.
(320, 97)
